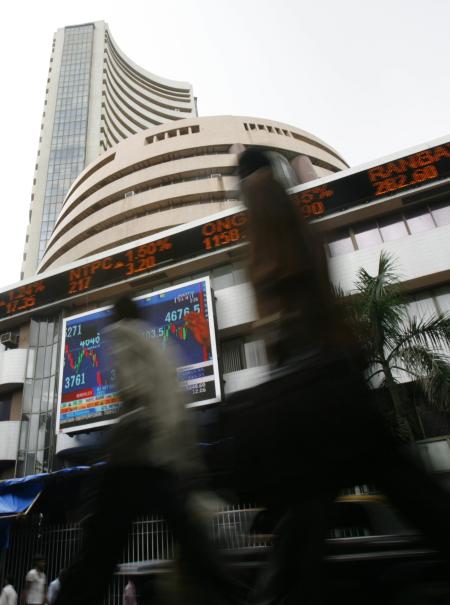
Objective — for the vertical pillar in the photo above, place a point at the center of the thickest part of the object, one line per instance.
(303, 169)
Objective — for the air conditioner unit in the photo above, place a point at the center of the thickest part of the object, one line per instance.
(9, 339)
(129, 193)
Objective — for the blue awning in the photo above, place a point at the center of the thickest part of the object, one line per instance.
(17, 495)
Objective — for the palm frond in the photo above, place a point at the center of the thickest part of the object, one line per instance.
(431, 369)
(436, 384)
(432, 332)
(380, 302)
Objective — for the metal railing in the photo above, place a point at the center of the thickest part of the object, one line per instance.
(150, 540)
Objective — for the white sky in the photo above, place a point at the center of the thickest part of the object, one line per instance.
(370, 78)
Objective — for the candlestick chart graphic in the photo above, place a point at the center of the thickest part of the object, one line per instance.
(83, 355)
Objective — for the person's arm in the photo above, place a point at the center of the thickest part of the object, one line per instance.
(52, 592)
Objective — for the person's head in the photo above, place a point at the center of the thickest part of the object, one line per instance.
(62, 574)
(39, 562)
(7, 580)
(125, 308)
(275, 229)
(250, 161)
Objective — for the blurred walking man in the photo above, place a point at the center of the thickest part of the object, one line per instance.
(154, 466)
(36, 583)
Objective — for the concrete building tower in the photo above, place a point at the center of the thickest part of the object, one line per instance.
(95, 98)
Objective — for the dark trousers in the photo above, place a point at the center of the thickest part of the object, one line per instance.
(126, 493)
(301, 438)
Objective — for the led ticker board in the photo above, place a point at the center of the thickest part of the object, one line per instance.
(368, 185)
(191, 241)
(127, 264)
(180, 318)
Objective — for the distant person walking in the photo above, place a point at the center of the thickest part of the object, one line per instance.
(312, 427)
(54, 587)
(129, 593)
(154, 467)
(35, 592)
(8, 596)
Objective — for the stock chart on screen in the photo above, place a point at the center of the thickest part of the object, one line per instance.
(179, 318)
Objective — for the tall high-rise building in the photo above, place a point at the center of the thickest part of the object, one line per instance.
(95, 97)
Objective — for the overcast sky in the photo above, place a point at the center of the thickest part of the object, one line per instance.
(370, 78)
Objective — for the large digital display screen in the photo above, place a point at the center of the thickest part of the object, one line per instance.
(179, 318)
(213, 234)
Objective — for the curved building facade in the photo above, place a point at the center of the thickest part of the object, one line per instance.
(95, 98)
(169, 175)
(134, 99)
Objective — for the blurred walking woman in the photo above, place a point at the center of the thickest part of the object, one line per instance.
(288, 270)
(311, 429)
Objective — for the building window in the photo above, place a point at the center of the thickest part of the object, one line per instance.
(392, 228)
(5, 408)
(441, 213)
(255, 353)
(367, 234)
(341, 243)
(232, 355)
(418, 220)
(222, 277)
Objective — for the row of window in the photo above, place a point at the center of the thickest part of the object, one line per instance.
(288, 133)
(174, 132)
(75, 69)
(136, 96)
(52, 206)
(70, 128)
(64, 127)
(64, 169)
(392, 227)
(71, 114)
(142, 81)
(72, 81)
(120, 96)
(66, 156)
(148, 187)
(121, 219)
(168, 157)
(80, 99)
(267, 128)
(73, 51)
(61, 180)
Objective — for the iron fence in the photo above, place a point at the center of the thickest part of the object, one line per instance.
(150, 539)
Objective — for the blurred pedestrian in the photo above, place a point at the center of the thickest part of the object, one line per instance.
(154, 467)
(312, 427)
(8, 595)
(54, 588)
(35, 592)
(129, 593)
